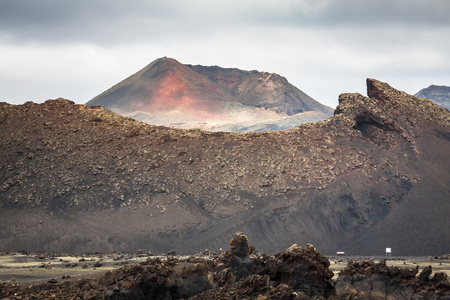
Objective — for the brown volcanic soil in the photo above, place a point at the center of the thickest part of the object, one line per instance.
(76, 178)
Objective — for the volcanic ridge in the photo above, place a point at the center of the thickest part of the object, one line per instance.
(77, 178)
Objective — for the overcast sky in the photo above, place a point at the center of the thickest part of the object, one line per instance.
(78, 49)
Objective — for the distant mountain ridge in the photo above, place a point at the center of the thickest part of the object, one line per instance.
(439, 94)
(171, 94)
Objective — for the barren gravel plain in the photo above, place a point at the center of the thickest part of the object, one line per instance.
(34, 268)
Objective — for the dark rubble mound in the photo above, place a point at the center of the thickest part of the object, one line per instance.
(293, 271)
(83, 289)
(370, 280)
(239, 273)
(296, 273)
(252, 287)
(95, 181)
(303, 269)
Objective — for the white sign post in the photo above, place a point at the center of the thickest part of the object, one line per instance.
(388, 252)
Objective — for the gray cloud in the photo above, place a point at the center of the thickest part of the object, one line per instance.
(366, 13)
(77, 49)
(118, 21)
(74, 21)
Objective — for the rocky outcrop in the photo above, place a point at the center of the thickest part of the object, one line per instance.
(296, 273)
(239, 245)
(303, 269)
(77, 178)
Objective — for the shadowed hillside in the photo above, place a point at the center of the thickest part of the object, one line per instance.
(262, 89)
(79, 178)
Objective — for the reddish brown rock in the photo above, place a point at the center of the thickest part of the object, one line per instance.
(239, 245)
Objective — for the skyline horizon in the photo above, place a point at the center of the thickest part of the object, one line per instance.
(80, 101)
(77, 50)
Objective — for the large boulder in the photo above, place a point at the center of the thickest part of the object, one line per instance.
(239, 245)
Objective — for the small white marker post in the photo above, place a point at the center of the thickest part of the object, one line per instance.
(388, 252)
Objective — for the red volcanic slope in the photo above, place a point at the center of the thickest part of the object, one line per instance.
(164, 85)
(190, 95)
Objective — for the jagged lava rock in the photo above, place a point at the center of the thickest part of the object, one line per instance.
(239, 245)
(303, 269)
(377, 280)
(295, 273)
